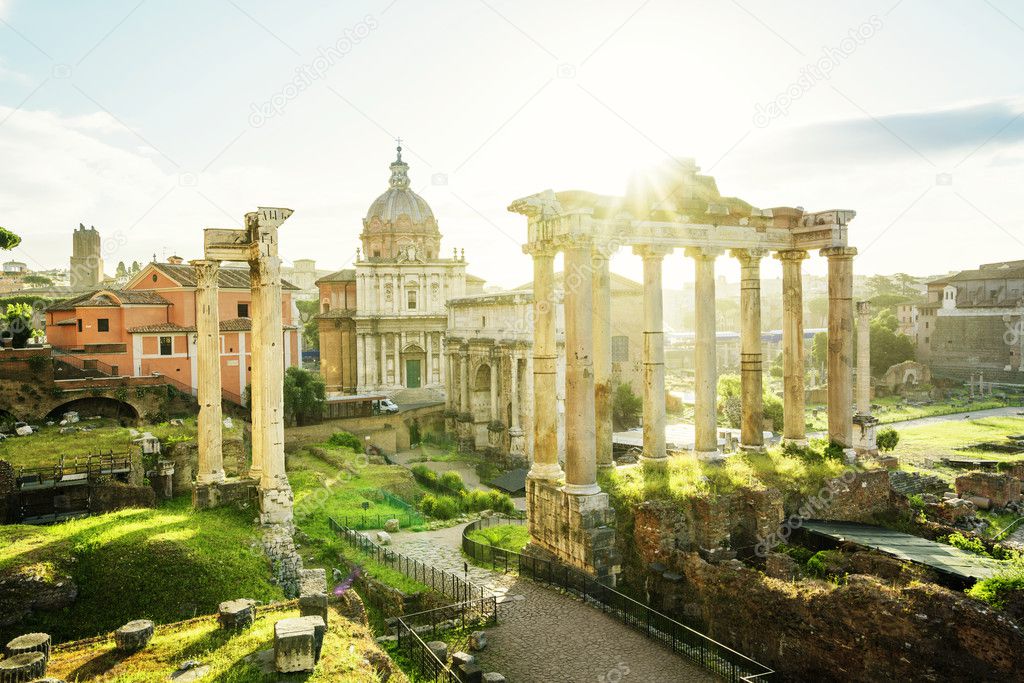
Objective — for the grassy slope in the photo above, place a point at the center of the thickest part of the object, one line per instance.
(164, 564)
(890, 410)
(347, 646)
(507, 536)
(46, 447)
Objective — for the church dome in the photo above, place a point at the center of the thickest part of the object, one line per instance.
(399, 200)
(400, 223)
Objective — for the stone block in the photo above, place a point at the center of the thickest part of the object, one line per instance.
(383, 538)
(312, 581)
(28, 666)
(469, 673)
(440, 650)
(236, 614)
(1000, 489)
(392, 525)
(133, 636)
(460, 658)
(493, 677)
(294, 645)
(313, 605)
(477, 641)
(30, 642)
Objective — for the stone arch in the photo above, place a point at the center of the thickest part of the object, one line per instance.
(95, 405)
(7, 418)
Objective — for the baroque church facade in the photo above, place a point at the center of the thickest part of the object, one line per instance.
(382, 323)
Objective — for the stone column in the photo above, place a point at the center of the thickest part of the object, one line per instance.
(602, 316)
(211, 456)
(864, 424)
(268, 366)
(464, 380)
(360, 361)
(653, 356)
(495, 363)
(430, 358)
(580, 432)
(517, 438)
(863, 358)
(794, 421)
(705, 354)
(840, 344)
(544, 463)
(752, 424)
(398, 358)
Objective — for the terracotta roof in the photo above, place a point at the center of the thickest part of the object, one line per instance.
(344, 275)
(230, 325)
(227, 277)
(102, 298)
(69, 321)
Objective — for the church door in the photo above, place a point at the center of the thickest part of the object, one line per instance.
(412, 373)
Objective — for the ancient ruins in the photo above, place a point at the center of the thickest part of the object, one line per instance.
(257, 245)
(673, 208)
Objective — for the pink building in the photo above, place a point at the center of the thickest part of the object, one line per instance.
(149, 326)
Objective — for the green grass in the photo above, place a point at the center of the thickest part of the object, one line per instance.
(347, 647)
(163, 564)
(890, 410)
(46, 447)
(687, 477)
(512, 537)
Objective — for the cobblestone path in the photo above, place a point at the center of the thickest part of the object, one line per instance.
(543, 635)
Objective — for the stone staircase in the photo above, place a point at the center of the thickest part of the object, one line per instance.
(910, 483)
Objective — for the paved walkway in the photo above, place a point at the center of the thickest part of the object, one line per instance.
(543, 635)
(1008, 411)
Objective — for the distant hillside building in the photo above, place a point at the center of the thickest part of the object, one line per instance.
(15, 268)
(382, 323)
(972, 322)
(86, 259)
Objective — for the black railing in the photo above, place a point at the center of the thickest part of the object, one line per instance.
(437, 623)
(94, 465)
(371, 521)
(75, 360)
(459, 589)
(681, 639)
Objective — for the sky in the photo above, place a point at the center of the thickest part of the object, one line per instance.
(154, 119)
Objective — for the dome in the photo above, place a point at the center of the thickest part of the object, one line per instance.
(399, 201)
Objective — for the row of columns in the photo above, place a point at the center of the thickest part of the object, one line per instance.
(459, 401)
(372, 370)
(587, 305)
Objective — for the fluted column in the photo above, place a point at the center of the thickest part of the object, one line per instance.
(430, 359)
(580, 435)
(514, 391)
(360, 361)
(398, 358)
(840, 344)
(602, 317)
(653, 355)
(211, 456)
(464, 379)
(705, 355)
(495, 370)
(268, 370)
(752, 423)
(794, 421)
(864, 358)
(545, 398)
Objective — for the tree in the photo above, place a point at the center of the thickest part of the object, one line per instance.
(887, 439)
(888, 347)
(304, 395)
(136, 267)
(17, 324)
(37, 280)
(626, 407)
(308, 311)
(730, 402)
(819, 351)
(8, 240)
(122, 272)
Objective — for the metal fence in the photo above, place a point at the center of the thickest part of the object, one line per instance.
(682, 640)
(458, 588)
(411, 629)
(370, 521)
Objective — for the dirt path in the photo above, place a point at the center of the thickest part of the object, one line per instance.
(545, 636)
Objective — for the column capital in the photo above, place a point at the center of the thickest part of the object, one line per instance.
(863, 308)
(647, 251)
(791, 255)
(540, 249)
(704, 253)
(746, 255)
(839, 252)
(206, 272)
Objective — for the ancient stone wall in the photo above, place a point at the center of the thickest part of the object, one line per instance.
(997, 489)
(114, 496)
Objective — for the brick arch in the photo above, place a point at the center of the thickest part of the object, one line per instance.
(107, 406)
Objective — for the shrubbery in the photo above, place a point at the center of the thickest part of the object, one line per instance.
(452, 481)
(346, 440)
(887, 439)
(441, 507)
(453, 498)
(997, 589)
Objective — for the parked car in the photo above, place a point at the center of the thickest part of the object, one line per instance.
(385, 406)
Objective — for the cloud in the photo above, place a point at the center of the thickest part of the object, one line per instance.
(933, 134)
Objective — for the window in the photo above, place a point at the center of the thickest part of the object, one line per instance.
(620, 349)
(243, 310)
(926, 341)
(166, 346)
(155, 277)
(410, 299)
(376, 253)
(103, 324)
(79, 324)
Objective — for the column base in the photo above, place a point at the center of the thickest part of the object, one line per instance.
(709, 456)
(582, 489)
(654, 463)
(799, 443)
(546, 472)
(864, 442)
(276, 505)
(578, 530)
(225, 492)
(212, 478)
(752, 448)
